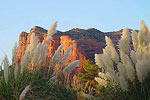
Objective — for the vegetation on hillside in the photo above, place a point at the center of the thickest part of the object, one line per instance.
(119, 74)
(30, 79)
(90, 71)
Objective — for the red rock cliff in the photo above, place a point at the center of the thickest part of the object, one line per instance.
(86, 42)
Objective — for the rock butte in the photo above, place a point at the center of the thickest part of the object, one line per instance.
(86, 42)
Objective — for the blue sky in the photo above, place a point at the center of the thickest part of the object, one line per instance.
(105, 15)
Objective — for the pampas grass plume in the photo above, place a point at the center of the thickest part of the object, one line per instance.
(51, 31)
(108, 41)
(24, 61)
(98, 60)
(6, 68)
(66, 56)
(57, 56)
(14, 52)
(71, 66)
(123, 83)
(24, 92)
(101, 81)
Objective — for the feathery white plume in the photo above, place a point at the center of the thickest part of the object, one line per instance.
(138, 70)
(133, 56)
(52, 80)
(25, 61)
(24, 92)
(113, 74)
(42, 56)
(135, 40)
(124, 42)
(57, 56)
(51, 31)
(107, 61)
(124, 57)
(123, 83)
(98, 60)
(130, 71)
(143, 27)
(36, 53)
(101, 82)
(108, 41)
(122, 69)
(114, 54)
(6, 68)
(142, 69)
(71, 66)
(102, 75)
(66, 56)
(141, 37)
(33, 44)
(106, 51)
(14, 52)
(44, 48)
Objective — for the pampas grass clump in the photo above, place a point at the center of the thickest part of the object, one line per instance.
(19, 82)
(130, 67)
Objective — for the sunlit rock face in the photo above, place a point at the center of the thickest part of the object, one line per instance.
(24, 40)
(22, 45)
(85, 42)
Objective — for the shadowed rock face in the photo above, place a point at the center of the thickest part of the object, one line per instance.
(86, 42)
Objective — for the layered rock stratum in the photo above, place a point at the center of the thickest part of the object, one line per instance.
(86, 42)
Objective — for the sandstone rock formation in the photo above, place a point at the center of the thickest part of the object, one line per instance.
(86, 42)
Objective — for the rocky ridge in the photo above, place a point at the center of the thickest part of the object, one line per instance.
(86, 42)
